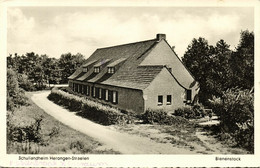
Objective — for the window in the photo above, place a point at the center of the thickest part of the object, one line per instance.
(85, 69)
(97, 92)
(160, 100)
(111, 70)
(103, 94)
(96, 69)
(80, 88)
(73, 86)
(84, 89)
(77, 87)
(93, 91)
(169, 99)
(114, 98)
(110, 96)
(106, 95)
(188, 96)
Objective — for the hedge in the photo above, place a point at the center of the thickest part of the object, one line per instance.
(161, 117)
(92, 110)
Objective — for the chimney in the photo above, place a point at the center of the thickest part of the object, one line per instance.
(159, 37)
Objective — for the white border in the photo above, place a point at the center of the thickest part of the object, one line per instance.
(129, 160)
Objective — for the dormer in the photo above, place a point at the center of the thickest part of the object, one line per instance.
(96, 69)
(85, 69)
(100, 65)
(88, 65)
(111, 68)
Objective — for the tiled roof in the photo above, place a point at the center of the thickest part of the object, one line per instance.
(138, 78)
(126, 58)
(89, 63)
(112, 64)
(86, 75)
(76, 73)
(102, 62)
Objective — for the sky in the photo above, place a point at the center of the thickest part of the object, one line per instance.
(58, 30)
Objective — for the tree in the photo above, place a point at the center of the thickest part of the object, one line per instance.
(242, 61)
(219, 79)
(51, 70)
(68, 63)
(198, 60)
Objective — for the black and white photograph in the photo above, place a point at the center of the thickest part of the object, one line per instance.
(117, 80)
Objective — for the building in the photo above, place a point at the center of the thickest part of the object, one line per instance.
(136, 76)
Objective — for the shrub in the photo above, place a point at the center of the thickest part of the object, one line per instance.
(185, 112)
(196, 111)
(27, 139)
(24, 83)
(90, 109)
(15, 95)
(161, 117)
(236, 113)
(199, 110)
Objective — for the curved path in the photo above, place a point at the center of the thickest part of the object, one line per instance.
(111, 139)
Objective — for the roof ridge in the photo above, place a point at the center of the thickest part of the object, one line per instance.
(141, 66)
(126, 44)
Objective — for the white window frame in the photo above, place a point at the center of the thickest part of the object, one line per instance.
(168, 102)
(159, 103)
(114, 97)
(111, 70)
(96, 69)
(85, 69)
(100, 93)
(106, 97)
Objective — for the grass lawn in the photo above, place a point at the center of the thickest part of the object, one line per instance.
(67, 140)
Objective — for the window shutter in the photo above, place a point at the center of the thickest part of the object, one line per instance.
(103, 94)
(97, 92)
(110, 94)
(92, 91)
(188, 94)
(116, 97)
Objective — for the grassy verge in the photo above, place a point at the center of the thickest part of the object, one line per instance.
(66, 141)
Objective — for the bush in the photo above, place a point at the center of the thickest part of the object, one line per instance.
(199, 110)
(25, 139)
(161, 117)
(24, 83)
(196, 111)
(15, 95)
(185, 112)
(89, 109)
(236, 113)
